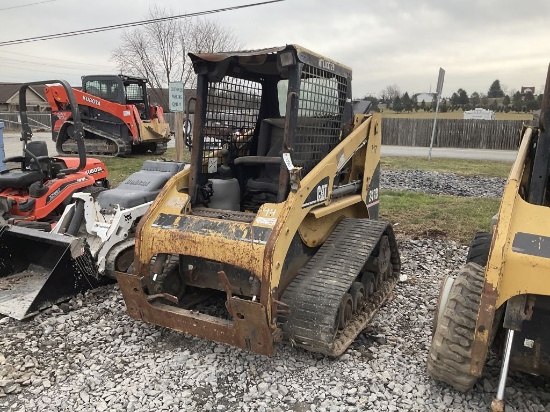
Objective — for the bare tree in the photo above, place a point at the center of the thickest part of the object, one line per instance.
(158, 51)
(390, 92)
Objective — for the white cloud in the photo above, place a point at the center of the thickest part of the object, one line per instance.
(384, 41)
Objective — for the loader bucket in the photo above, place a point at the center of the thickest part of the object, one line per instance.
(38, 269)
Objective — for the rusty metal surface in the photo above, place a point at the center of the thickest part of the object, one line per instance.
(218, 57)
(248, 330)
(531, 348)
(235, 243)
(518, 309)
(496, 263)
(224, 214)
(258, 57)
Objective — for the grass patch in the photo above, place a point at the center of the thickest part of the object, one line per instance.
(121, 167)
(422, 215)
(458, 166)
(413, 214)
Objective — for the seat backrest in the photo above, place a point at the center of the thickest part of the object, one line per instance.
(270, 139)
(37, 148)
(272, 133)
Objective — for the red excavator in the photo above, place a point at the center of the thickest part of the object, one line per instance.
(116, 114)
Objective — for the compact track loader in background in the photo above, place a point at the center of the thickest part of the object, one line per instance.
(280, 223)
(504, 289)
(117, 116)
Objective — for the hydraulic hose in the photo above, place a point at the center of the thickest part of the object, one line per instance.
(77, 219)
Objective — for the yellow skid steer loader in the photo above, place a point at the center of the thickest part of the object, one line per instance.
(504, 289)
(278, 219)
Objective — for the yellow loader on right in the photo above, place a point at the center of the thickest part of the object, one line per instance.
(504, 288)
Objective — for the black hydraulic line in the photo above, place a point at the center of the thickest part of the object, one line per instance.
(77, 219)
(67, 221)
(342, 190)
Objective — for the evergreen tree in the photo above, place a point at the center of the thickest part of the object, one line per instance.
(495, 90)
(475, 99)
(463, 97)
(517, 102)
(397, 104)
(407, 102)
(455, 99)
(530, 101)
(484, 102)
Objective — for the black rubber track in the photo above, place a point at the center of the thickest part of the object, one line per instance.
(315, 294)
(451, 349)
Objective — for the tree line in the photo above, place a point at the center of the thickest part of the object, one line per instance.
(495, 99)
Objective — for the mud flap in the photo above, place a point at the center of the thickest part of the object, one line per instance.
(38, 269)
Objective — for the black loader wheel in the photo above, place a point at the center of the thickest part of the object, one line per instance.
(357, 292)
(345, 312)
(384, 255)
(368, 282)
(479, 248)
(124, 262)
(451, 348)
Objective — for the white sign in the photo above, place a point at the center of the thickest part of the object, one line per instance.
(176, 97)
(288, 161)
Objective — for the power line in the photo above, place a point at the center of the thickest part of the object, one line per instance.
(26, 5)
(64, 66)
(42, 71)
(57, 60)
(133, 24)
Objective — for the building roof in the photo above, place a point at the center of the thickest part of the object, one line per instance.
(427, 97)
(9, 90)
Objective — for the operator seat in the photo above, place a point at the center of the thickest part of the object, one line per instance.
(140, 187)
(30, 172)
(270, 146)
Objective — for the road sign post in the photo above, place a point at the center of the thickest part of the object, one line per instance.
(176, 104)
(440, 81)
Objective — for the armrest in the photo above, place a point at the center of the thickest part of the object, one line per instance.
(258, 160)
(14, 159)
(40, 158)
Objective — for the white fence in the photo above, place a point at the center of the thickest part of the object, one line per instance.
(12, 121)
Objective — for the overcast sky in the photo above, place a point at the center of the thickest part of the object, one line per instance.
(385, 42)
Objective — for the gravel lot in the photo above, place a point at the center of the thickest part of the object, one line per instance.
(87, 355)
(442, 183)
